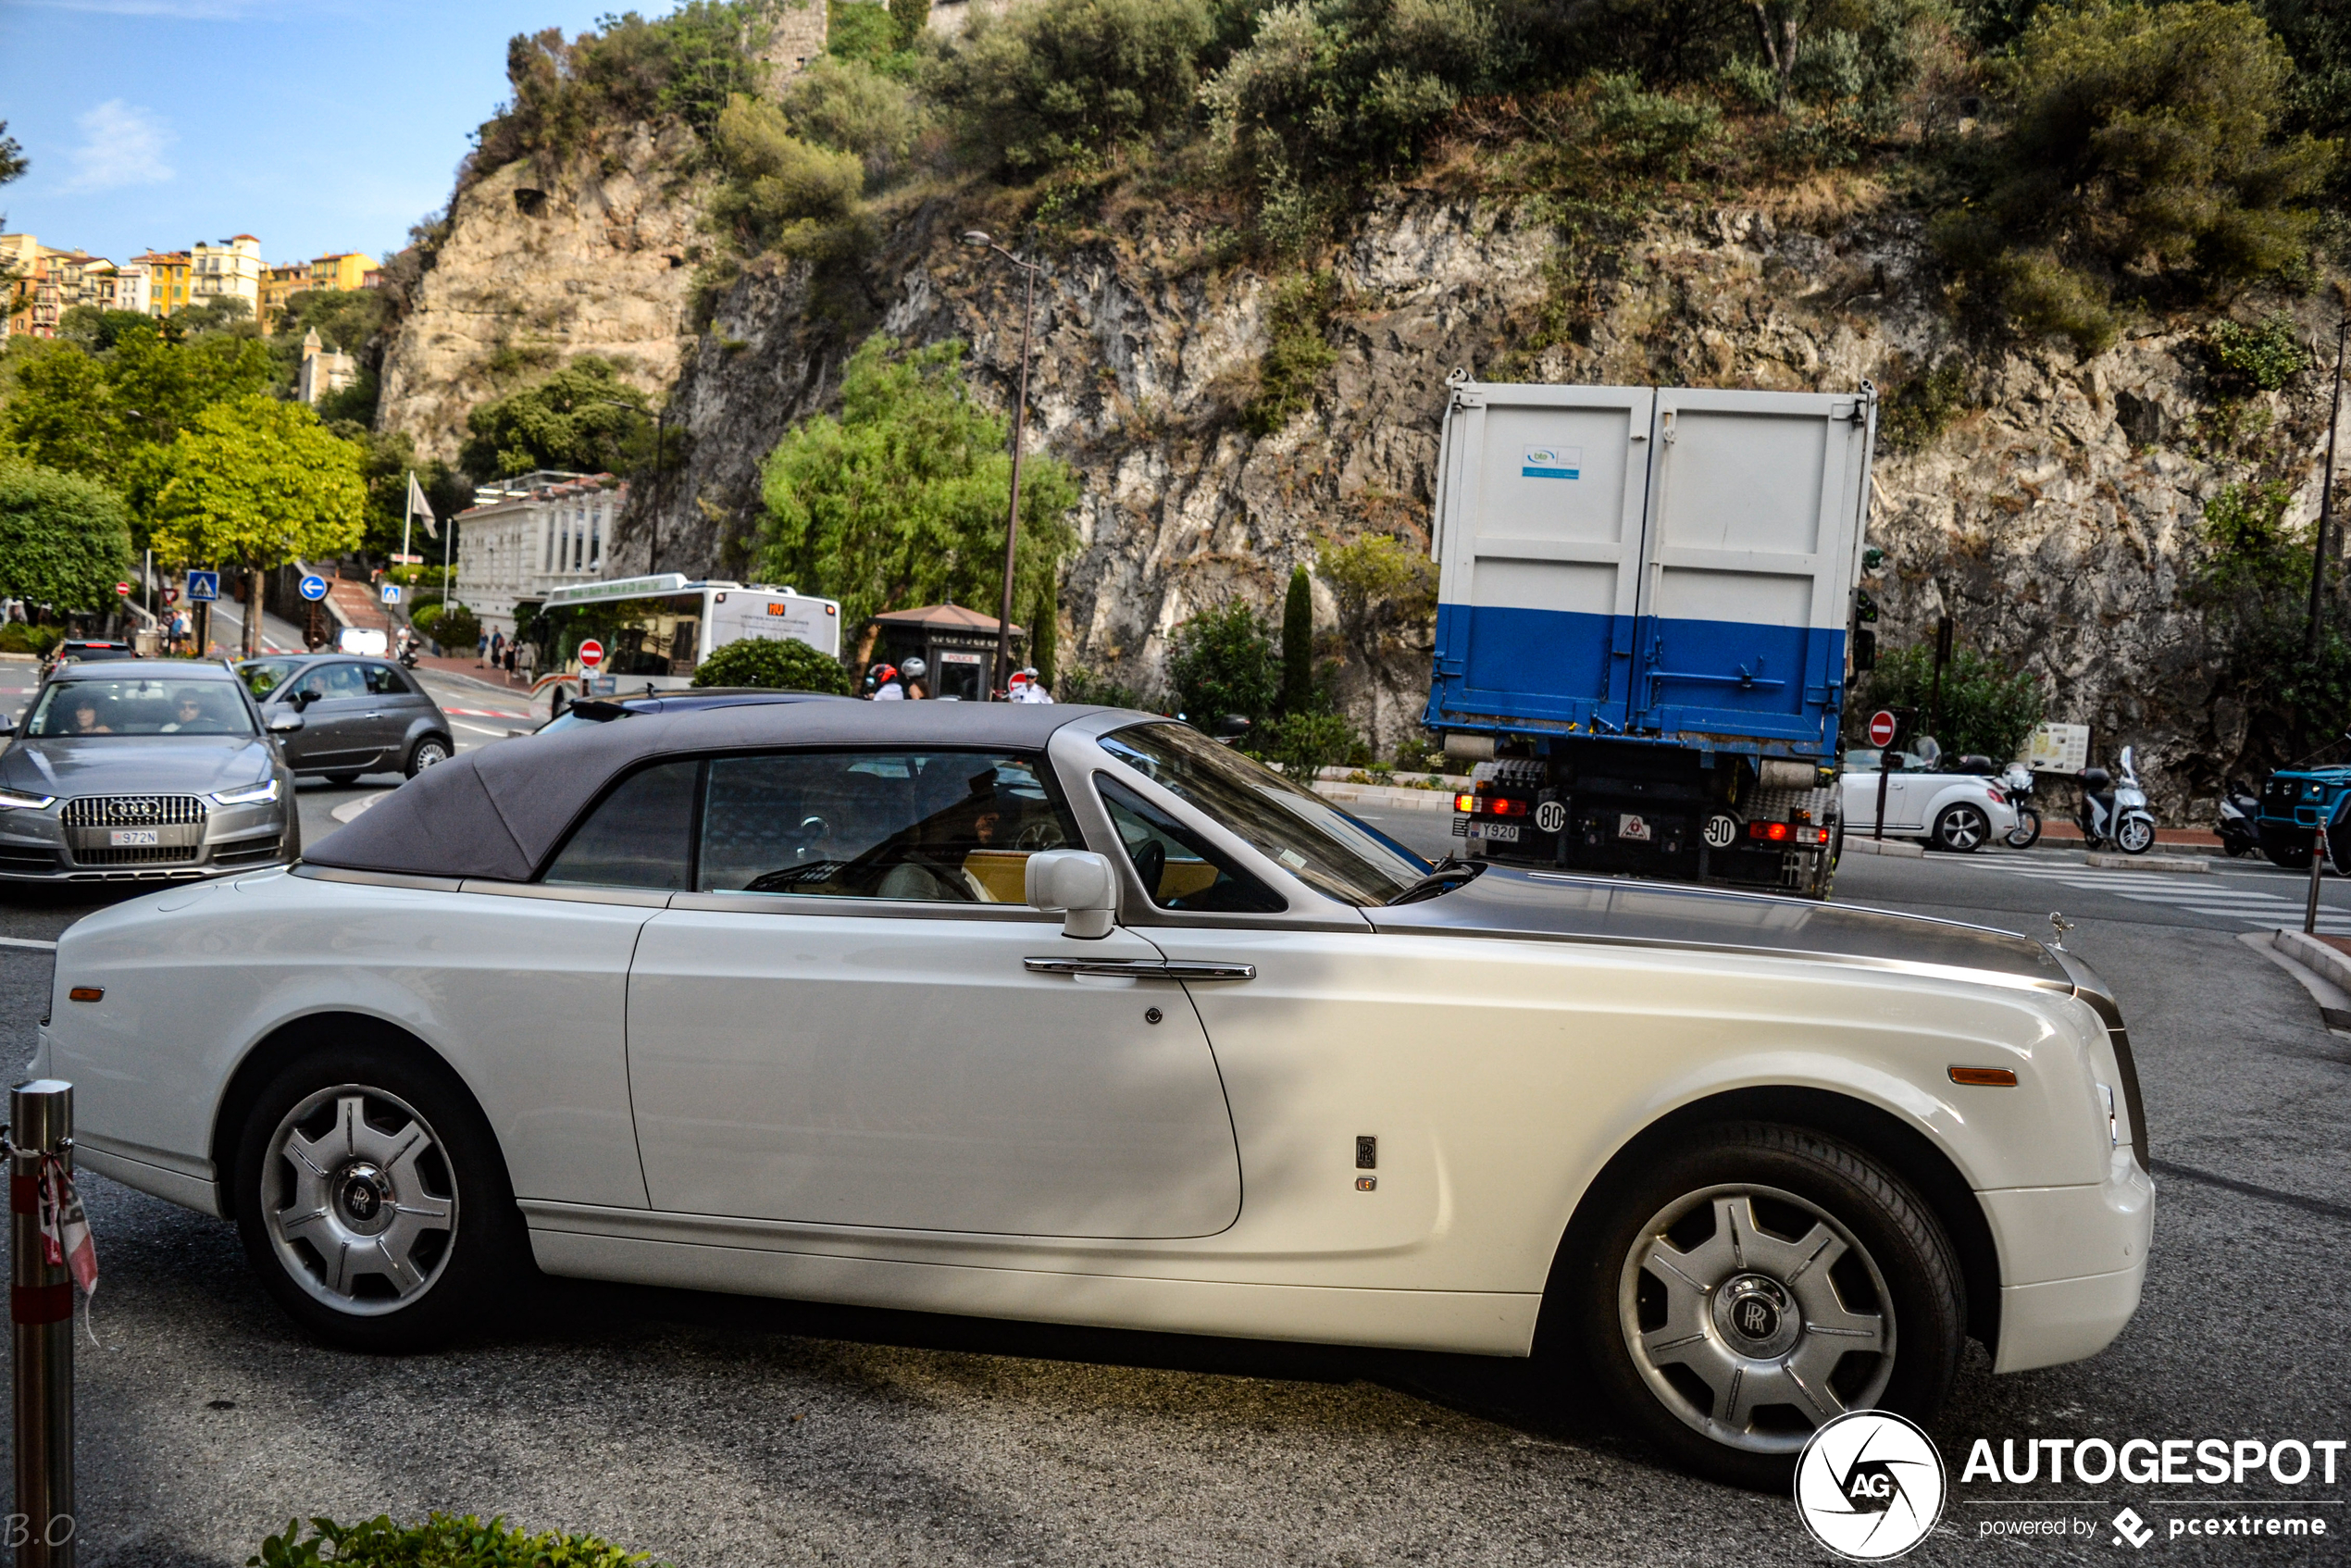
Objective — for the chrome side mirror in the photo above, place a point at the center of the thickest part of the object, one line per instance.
(285, 723)
(1078, 884)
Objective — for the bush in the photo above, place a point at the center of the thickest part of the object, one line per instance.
(860, 30)
(456, 629)
(1297, 355)
(17, 637)
(1919, 409)
(779, 663)
(1302, 744)
(1986, 710)
(1084, 686)
(2268, 355)
(1223, 662)
(583, 418)
(441, 1541)
(782, 193)
(2141, 155)
(1378, 579)
(850, 107)
(1063, 82)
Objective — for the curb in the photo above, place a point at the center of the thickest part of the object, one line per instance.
(2321, 970)
(1386, 795)
(2172, 863)
(1901, 849)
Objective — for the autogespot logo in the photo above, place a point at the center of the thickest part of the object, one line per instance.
(1869, 1485)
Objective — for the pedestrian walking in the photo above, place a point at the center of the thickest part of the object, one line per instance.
(498, 650)
(482, 649)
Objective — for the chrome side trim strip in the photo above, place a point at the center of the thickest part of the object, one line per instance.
(375, 878)
(1141, 968)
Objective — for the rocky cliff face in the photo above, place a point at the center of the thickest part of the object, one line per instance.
(539, 267)
(2056, 517)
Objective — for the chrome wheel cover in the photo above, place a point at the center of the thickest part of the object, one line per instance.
(429, 753)
(2135, 836)
(1748, 1329)
(358, 1202)
(1962, 829)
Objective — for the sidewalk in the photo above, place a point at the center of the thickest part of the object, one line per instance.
(2057, 832)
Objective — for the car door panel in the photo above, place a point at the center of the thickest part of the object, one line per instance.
(1861, 798)
(859, 1069)
(334, 733)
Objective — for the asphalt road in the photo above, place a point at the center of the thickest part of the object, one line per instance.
(712, 1430)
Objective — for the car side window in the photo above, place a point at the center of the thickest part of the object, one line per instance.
(384, 681)
(262, 676)
(1176, 868)
(642, 836)
(933, 826)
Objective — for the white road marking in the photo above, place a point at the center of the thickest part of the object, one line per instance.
(477, 728)
(27, 941)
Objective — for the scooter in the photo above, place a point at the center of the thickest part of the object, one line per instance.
(2240, 822)
(2116, 815)
(2017, 784)
(408, 654)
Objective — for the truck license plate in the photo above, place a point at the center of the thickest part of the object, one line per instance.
(1630, 827)
(1499, 832)
(123, 838)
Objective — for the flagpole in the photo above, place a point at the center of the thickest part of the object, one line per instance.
(407, 516)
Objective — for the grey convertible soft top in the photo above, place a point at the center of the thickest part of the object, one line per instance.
(498, 812)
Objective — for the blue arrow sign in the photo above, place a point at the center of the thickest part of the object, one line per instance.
(314, 587)
(203, 585)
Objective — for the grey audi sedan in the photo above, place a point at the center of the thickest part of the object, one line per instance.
(159, 771)
(359, 715)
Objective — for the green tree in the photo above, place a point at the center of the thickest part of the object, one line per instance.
(901, 499)
(583, 419)
(911, 17)
(12, 158)
(65, 541)
(782, 193)
(1302, 744)
(1382, 585)
(255, 483)
(779, 663)
(681, 69)
(1986, 709)
(1297, 644)
(2142, 155)
(1221, 661)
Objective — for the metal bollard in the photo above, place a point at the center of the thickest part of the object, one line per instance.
(41, 1308)
(2318, 853)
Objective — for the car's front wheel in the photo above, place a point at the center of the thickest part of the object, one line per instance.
(1962, 829)
(1742, 1292)
(372, 1202)
(431, 752)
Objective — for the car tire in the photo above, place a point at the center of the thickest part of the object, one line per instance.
(405, 1232)
(2288, 857)
(1962, 829)
(1666, 1338)
(431, 752)
(349, 775)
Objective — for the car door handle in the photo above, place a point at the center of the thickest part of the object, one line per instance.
(1141, 968)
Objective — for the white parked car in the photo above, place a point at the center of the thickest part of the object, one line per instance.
(1959, 811)
(1071, 1015)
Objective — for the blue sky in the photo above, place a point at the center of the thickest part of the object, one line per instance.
(328, 125)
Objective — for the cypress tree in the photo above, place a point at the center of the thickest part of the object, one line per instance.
(1298, 645)
(1043, 627)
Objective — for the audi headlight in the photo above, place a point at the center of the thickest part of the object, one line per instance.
(252, 795)
(11, 800)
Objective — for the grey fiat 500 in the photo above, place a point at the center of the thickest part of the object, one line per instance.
(147, 772)
(359, 715)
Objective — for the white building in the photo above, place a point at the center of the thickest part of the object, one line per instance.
(526, 537)
(323, 370)
(232, 268)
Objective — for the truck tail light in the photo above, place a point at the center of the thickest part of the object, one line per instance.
(1787, 833)
(1507, 808)
(1466, 803)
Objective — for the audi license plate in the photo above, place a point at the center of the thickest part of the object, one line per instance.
(129, 838)
(1499, 832)
(1630, 827)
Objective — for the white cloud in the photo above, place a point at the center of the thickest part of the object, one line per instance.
(121, 145)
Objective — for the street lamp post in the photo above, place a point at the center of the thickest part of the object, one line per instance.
(980, 238)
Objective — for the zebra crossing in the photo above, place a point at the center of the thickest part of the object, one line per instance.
(2230, 899)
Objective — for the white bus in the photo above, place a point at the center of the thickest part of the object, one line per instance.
(656, 629)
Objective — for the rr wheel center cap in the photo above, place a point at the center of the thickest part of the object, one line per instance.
(1756, 1316)
(363, 1198)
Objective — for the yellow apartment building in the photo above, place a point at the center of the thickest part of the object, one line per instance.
(168, 280)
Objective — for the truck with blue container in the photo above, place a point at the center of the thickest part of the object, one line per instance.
(1647, 603)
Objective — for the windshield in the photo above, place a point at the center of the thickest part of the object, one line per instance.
(148, 706)
(1321, 845)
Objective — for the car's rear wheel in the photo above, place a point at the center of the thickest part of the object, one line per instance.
(1741, 1293)
(1962, 829)
(431, 752)
(372, 1200)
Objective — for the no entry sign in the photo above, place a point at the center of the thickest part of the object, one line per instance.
(1882, 728)
(591, 654)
